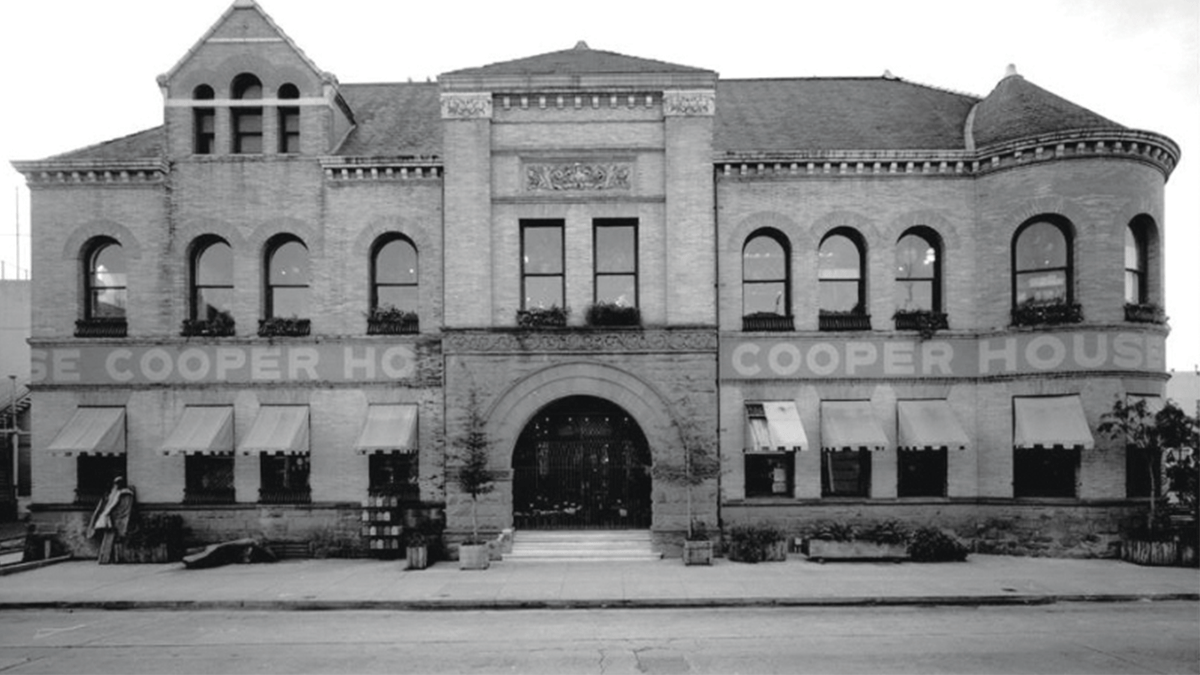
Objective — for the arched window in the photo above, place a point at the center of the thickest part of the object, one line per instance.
(247, 119)
(1042, 263)
(841, 273)
(204, 122)
(287, 278)
(394, 275)
(212, 281)
(766, 282)
(106, 278)
(289, 120)
(1136, 289)
(918, 271)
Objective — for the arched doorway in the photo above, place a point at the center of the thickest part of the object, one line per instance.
(581, 463)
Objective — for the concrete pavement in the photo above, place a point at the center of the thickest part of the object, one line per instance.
(375, 584)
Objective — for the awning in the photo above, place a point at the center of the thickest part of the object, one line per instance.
(278, 429)
(91, 431)
(775, 427)
(927, 425)
(1050, 422)
(202, 430)
(850, 425)
(388, 428)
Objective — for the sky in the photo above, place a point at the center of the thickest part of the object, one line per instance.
(78, 72)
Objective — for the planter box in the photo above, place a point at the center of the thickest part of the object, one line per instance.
(822, 550)
(141, 554)
(474, 556)
(1158, 553)
(697, 552)
(418, 557)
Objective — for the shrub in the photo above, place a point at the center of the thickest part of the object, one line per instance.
(753, 543)
(612, 314)
(834, 532)
(887, 532)
(929, 544)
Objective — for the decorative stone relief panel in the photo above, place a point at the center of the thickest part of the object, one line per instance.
(467, 106)
(577, 176)
(682, 103)
(581, 341)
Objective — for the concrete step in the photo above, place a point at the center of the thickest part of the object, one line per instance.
(581, 545)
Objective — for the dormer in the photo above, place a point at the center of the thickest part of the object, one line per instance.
(245, 89)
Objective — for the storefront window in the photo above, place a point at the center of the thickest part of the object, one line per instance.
(284, 479)
(845, 473)
(770, 475)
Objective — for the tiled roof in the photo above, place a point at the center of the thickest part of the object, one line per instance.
(148, 144)
(578, 60)
(1018, 109)
(837, 114)
(393, 120)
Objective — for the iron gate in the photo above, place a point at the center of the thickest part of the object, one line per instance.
(581, 463)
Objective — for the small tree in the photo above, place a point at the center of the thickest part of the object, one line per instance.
(1153, 434)
(473, 475)
(697, 465)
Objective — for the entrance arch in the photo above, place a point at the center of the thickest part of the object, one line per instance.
(581, 462)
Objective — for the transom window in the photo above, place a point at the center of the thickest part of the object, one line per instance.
(247, 120)
(1042, 263)
(766, 275)
(616, 275)
(841, 273)
(212, 280)
(105, 280)
(1135, 264)
(287, 279)
(289, 121)
(918, 271)
(542, 277)
(394, 278)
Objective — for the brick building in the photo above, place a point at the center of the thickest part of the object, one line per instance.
(871, 298)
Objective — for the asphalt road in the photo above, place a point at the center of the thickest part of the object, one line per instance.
(1137, 637)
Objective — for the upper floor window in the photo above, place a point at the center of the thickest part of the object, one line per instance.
(106, 278)
(918, 271)
(616, 273)
(289, 121)
(1135, 264)
(204, 119)
(287, 278)
(841, 273)
(542, 276)
(766, 279)
(212, 280)
(1042, 263)
(394, 280)
(247, 120)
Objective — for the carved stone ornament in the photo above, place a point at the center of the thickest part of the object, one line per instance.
(587, 341)
(466, 106)
(681, 103)
(576, 176)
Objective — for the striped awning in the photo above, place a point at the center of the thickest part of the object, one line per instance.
(388, 428)
(928, 425)
(91, 431)
(278, 429)
(775, 427)
(850, 425)
(1050, 422)
(202, 430)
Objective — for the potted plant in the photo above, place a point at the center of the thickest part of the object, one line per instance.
(543, 317)
(475, 478)
(697, 547)
(613, 314)
(280, 326)
(757, 542)
(416, 549)
(839, 541)
(696, 466)
(390, 320)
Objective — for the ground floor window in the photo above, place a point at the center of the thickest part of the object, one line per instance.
(95, 475)
(921, 473)
(845, 473)
(1045, 472)
(1139, 463)
(208, 479)
(284, 479)
(394, 474)
(770, 475)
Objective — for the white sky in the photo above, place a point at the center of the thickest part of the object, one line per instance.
(79, 72)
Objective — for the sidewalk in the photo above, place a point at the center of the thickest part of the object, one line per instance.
(374, 584)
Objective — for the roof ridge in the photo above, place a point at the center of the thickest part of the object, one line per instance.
(99, 144)
(935, 87)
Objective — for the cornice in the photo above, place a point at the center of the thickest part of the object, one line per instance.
(68, 173)
(367, 169)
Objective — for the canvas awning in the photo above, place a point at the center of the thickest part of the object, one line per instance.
(775, 427)
(278, 429)
(388, 428)
(1050, 422)
(850, 425)
(928, 425)
(91, 431)
(202, 430)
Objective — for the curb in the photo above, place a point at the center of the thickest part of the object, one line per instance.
(33, 565)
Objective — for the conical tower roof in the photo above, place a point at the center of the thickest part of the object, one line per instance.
(1017, 108)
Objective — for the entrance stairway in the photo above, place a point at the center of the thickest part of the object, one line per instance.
(581, 546)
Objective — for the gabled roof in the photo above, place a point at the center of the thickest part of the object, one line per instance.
(147, 144)
(878, 113)
(579, 60)
(1017, 108)
(393, 120)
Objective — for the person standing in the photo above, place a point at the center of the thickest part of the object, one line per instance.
(111, 518)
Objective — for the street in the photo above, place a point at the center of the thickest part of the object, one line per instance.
(1061, 638)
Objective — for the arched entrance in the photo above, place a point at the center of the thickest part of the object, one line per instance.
(581, 463)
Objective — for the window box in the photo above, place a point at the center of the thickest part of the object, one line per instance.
(284, 496)
(284, 327)
(612, 314)
(209, 496)
(1144, 312)
(839, 321)
(767, 321)
(102, 327)
(543, 317)
(1046, 313)
(925, 322)
(392, 321)
(220, 325)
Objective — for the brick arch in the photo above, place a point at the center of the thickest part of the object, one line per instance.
(368, 235)
(1058, 206)
(264, 232)
(866, 227)
(764, 220)
(79, 238)
(950, 232)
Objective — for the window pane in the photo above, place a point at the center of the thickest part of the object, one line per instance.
(396, 263)
(215, 266)
(289, 265)
(543, 292)
(838, 296)
(108, 302)
(914, 295)
(846, 473)
(915, 258)
(839, 258)
(922, 473)
(764, 259)
(212, 301)
(401, 297)
(1042, 287)
(288, 302)
(250, 121)
(1133, 287)
(1041, 246)
(1133, 250)
(619, 289)
(615, 246)
(108, 267)
(764, 297)
(543, 250)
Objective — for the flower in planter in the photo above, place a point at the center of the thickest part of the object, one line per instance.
(1051, 313)
(277, 326)
(835, 532)
(925, 322)
(218, 324)
(1144, 312)
(391, 320)
(543, 317)
(613, 314)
